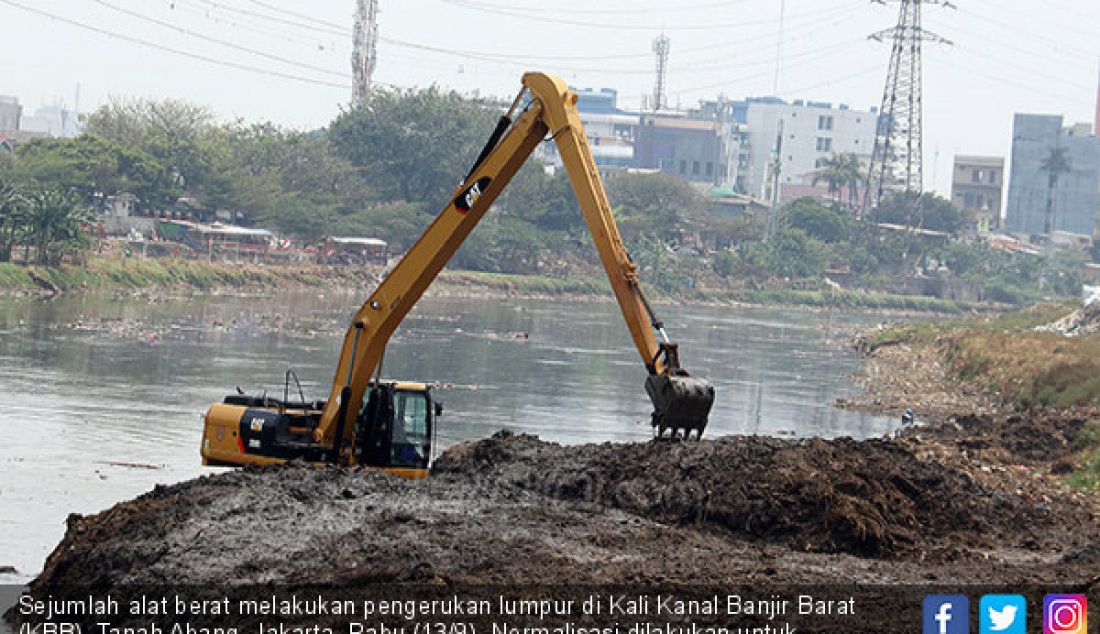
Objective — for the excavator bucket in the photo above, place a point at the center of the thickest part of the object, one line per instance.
(681, 404)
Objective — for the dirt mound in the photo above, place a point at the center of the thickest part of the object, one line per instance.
(513, 510)
(1036, 437)
(307, 525)
(870, 498)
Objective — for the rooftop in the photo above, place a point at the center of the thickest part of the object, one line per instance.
(985, 161)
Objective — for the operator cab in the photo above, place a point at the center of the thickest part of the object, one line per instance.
(395, 428)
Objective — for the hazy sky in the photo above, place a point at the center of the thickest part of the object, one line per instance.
(1008, 55)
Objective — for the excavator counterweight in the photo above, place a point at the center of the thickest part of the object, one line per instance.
(389, 425)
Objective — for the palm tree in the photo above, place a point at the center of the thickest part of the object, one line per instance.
(841, 171)
(56, 224)
(13, 215)
(833, 172)
(1055, 164)
(853, 167)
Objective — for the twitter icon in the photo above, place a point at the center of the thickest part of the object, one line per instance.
(1002, 614)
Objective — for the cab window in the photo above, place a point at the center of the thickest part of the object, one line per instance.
(409, 446)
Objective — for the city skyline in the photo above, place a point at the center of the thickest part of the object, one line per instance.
(972, 90)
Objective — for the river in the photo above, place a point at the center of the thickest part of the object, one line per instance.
(102, 397)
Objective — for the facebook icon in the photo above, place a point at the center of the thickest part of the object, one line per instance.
(946, 614)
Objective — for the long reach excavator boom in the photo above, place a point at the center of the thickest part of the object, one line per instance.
(385, 424)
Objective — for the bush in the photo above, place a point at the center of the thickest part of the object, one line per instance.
(819, 221)
(724, 264)
(793, 253)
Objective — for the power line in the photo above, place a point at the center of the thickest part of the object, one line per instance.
(1005, 81)
(513, 57)
(302, 16)
(176, 51)
(817, 52)
(631, 10)
(245, 49)
(1046, 75)
(469, 4)
(271, 18)
(319, 43)
(489, 56)
(1015, 47)
(815, 55)
(828, 82)
(1014, 29)
(1057, 25)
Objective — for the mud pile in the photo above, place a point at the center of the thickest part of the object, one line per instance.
(513, 509)
(301, 525)
(872, 498)
(1035, 437)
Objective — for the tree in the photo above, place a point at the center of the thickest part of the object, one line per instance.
(1055, 163)
(95, 167)
(175, 133)
(840, 171)
(817, 220)
(546, 201)
(413, 145)
(793, 253)
(724, 264)
(286, 180)
(55, 224)
(922, 211)
(654, 204)
(13, 217)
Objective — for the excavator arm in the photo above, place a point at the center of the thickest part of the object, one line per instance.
(681, 402)
(258, 430)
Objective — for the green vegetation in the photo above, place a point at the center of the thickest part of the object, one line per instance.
(928, 332)
(814, 237)
(134, 273)
(842, 172)
(852, 299)
(1006, 356)
(48, 222)
(384, 169)
(1087, 475)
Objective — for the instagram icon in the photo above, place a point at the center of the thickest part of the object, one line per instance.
(1065, 614)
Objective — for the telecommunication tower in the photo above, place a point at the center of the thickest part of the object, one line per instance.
(1096, 130)
(364, 54)
(896, 163)
(660, 96)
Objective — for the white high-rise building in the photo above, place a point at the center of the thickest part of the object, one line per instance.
(812, 131)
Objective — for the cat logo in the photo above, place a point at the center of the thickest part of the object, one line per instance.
(257, 424)
(467, 198)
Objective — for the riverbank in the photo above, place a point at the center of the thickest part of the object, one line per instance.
(168, 276)
(1028, 379)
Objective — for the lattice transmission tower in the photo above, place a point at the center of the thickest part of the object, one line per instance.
(896, 163)
(364, 54)
(660, 94)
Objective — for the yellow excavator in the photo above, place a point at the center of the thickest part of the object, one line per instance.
(389, 424)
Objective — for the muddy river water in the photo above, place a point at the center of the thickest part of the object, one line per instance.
(102, 398)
